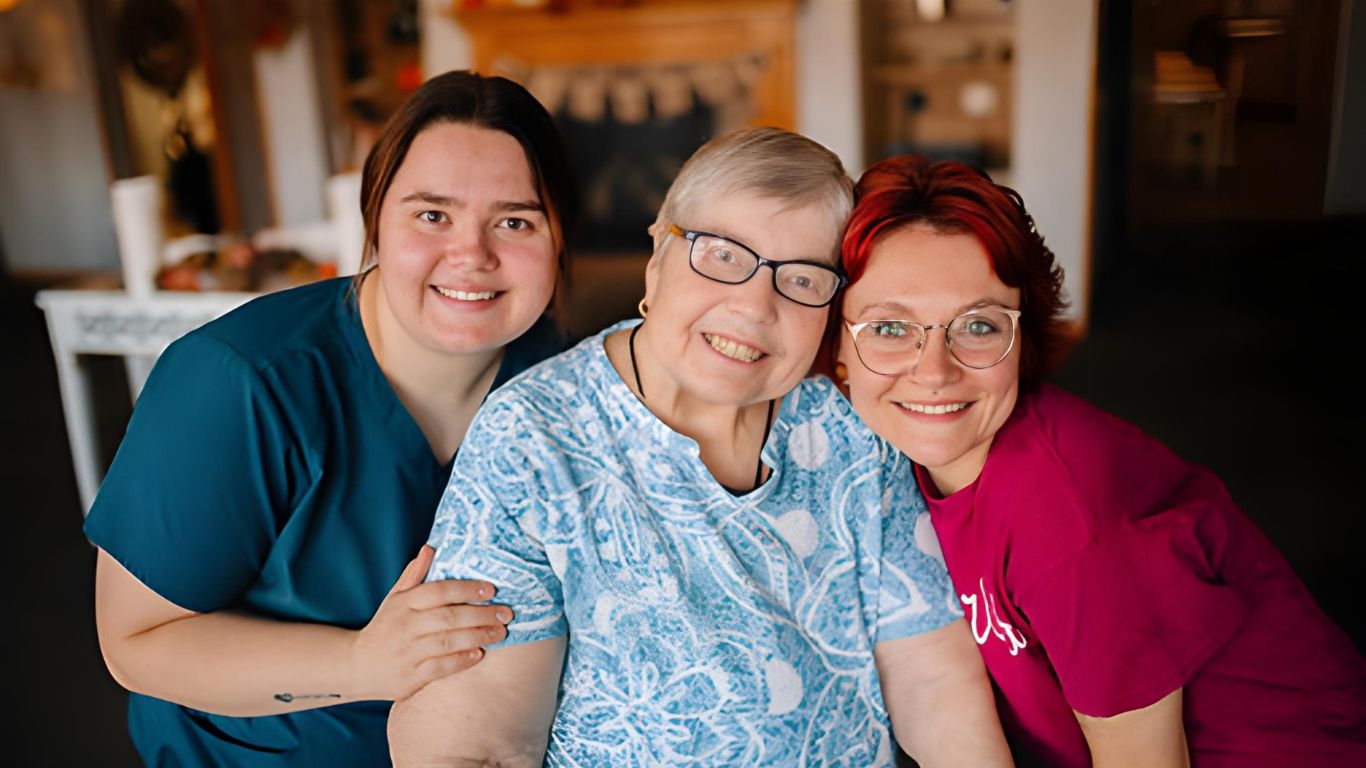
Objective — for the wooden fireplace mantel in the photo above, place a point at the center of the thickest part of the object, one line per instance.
(645, 32)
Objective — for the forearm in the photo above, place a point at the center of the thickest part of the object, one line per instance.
(235, 664)
(939, 699)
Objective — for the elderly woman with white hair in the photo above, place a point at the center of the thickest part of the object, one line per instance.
(709, 559)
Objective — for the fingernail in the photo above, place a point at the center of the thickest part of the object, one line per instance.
(504, 616)
(484, 591)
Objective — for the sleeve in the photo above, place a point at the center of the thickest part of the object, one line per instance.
(190, 502)
(492, 520)
(1134, 614)
(915, 593)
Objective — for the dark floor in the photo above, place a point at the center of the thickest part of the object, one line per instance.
(1239, 347)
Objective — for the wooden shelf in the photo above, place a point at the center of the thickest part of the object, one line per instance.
(909, 74)
(915, 73)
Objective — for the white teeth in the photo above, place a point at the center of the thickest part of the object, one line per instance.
(466, 295)
(934, 410)
(733, 350)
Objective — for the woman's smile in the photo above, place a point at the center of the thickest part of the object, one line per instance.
(938, 411)
(478, 299)
(732, 349)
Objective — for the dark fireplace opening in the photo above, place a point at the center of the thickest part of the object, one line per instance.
(628, 131)
(624, 169)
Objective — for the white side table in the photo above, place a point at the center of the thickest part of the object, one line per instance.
(114, 323)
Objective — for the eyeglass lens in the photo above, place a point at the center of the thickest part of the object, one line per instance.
(729, 262)
(977, 339)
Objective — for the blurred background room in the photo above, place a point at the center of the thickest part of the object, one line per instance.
(1191, 163)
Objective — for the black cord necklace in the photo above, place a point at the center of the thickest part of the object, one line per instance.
(768, 420)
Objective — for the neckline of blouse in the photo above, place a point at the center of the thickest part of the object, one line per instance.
(621, 393)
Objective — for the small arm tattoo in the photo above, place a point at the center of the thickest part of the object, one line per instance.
(289, 697)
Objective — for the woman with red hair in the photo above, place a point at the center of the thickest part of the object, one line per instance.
(1127, 610)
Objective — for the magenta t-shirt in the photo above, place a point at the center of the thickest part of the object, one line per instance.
(1100, 572)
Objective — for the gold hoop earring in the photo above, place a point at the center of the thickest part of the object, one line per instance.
(842, 374)
(643, 309)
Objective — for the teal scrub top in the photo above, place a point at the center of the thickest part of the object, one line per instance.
(269, 467)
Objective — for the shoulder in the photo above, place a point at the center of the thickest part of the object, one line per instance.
(552, 401)
(556, 381)
(816, 405)
(273, 326)
(1054, 429)
(199, 363)
(817, 397)
(824, 443)
(1065, 475)
(1063, 415)
(542, 341)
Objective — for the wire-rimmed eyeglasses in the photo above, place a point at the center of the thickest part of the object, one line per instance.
(719, 258)
(978, 338)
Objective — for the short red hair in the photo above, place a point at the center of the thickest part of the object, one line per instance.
(954, 198)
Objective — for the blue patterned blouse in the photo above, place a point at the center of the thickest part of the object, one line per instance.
(704, 628)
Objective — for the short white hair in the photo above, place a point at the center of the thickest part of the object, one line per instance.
(768, 162)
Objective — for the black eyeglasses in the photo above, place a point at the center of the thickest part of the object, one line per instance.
(809, 283)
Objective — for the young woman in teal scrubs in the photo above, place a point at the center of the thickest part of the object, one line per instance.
(256, 587)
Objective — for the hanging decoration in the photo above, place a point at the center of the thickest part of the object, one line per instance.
(634, 94)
